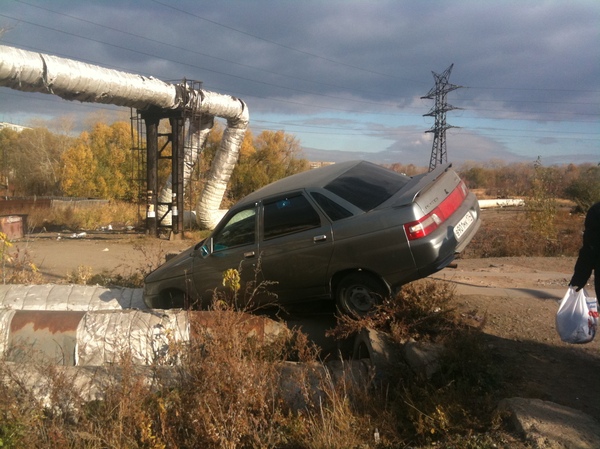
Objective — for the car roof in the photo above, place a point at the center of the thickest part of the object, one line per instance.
(317, 177)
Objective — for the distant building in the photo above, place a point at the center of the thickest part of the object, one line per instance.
(12, 126)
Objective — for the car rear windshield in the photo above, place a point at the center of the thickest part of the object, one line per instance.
(367, 185)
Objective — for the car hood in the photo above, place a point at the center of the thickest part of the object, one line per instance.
(174, 267)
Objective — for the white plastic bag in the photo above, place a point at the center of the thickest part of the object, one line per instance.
(577, 317)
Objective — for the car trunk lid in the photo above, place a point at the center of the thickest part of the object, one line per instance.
(434, 197)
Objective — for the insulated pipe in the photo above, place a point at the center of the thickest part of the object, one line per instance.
(299, 386)
(236, 113)
(102, 337)
(70, 297)
(73, 80)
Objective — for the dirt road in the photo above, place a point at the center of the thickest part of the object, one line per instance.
(57, 255)
(516, 300)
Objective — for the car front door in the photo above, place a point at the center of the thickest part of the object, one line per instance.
(233, 245)
(296, 244)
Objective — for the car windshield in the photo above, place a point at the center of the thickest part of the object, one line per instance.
(367, 185)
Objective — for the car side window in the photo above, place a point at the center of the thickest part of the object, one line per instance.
(288, 215)
(333, 210)
(239, 230)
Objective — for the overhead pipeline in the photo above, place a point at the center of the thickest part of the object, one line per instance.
(78, 81)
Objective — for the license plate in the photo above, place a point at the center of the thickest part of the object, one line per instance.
(463, 225)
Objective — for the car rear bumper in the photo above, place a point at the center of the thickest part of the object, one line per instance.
(436, 251)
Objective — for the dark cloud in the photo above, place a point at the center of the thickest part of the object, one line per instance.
(523, 64)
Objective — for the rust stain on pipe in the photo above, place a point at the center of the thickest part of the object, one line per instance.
(43, 336)
(54, 321)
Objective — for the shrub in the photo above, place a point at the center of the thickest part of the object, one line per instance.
(83, 217)
(508, 233)
(585, 191)
(461, 395)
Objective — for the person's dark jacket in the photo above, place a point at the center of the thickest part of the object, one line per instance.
(589, 254)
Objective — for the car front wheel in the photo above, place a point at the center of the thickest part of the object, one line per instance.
(359, 293)
(172, 299)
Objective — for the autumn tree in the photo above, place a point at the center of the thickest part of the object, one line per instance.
(475, 176)
(584, 189)
(8, 142)
(31, 161)
(274, 155)
(406, 169)
(263, 159)
(100, 163)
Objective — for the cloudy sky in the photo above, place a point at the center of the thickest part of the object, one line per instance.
(346, 77)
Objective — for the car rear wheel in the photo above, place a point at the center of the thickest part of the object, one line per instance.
(359, 293)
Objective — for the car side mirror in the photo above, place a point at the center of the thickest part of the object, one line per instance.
(205, 249)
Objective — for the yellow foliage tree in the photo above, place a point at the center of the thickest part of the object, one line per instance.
(99, 164)
(272, 155)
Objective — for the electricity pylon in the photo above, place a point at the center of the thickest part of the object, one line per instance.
(441, 106)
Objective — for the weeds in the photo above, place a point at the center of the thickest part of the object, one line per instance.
(17, 268)
(541, 206)
(81, 275)
(460, 396)
(84, 217)
(421, 310)
(509, 233)
(225, 391)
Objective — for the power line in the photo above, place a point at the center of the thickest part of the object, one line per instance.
(287, 47)
(236, 76)
(176, 47)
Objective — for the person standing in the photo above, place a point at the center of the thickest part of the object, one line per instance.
(589, 254)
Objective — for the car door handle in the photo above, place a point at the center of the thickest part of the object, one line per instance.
(319, 238)
(249, 254)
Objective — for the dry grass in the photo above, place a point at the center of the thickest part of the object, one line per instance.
(85, 217)
(509, 233)
(224, 392)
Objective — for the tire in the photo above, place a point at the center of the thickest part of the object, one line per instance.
(359, 293)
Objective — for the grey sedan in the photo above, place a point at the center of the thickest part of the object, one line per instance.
(352, 232)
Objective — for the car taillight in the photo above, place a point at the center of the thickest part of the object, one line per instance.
(430, 222)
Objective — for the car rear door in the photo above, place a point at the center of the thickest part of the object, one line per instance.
(295, 245)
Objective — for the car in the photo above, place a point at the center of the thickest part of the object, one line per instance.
(351, 232)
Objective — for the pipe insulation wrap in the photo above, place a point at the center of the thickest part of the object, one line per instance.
(104, 337)
(6, 316)
(226, 157)
(73, 80)
(147, 337)
(69, 297)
